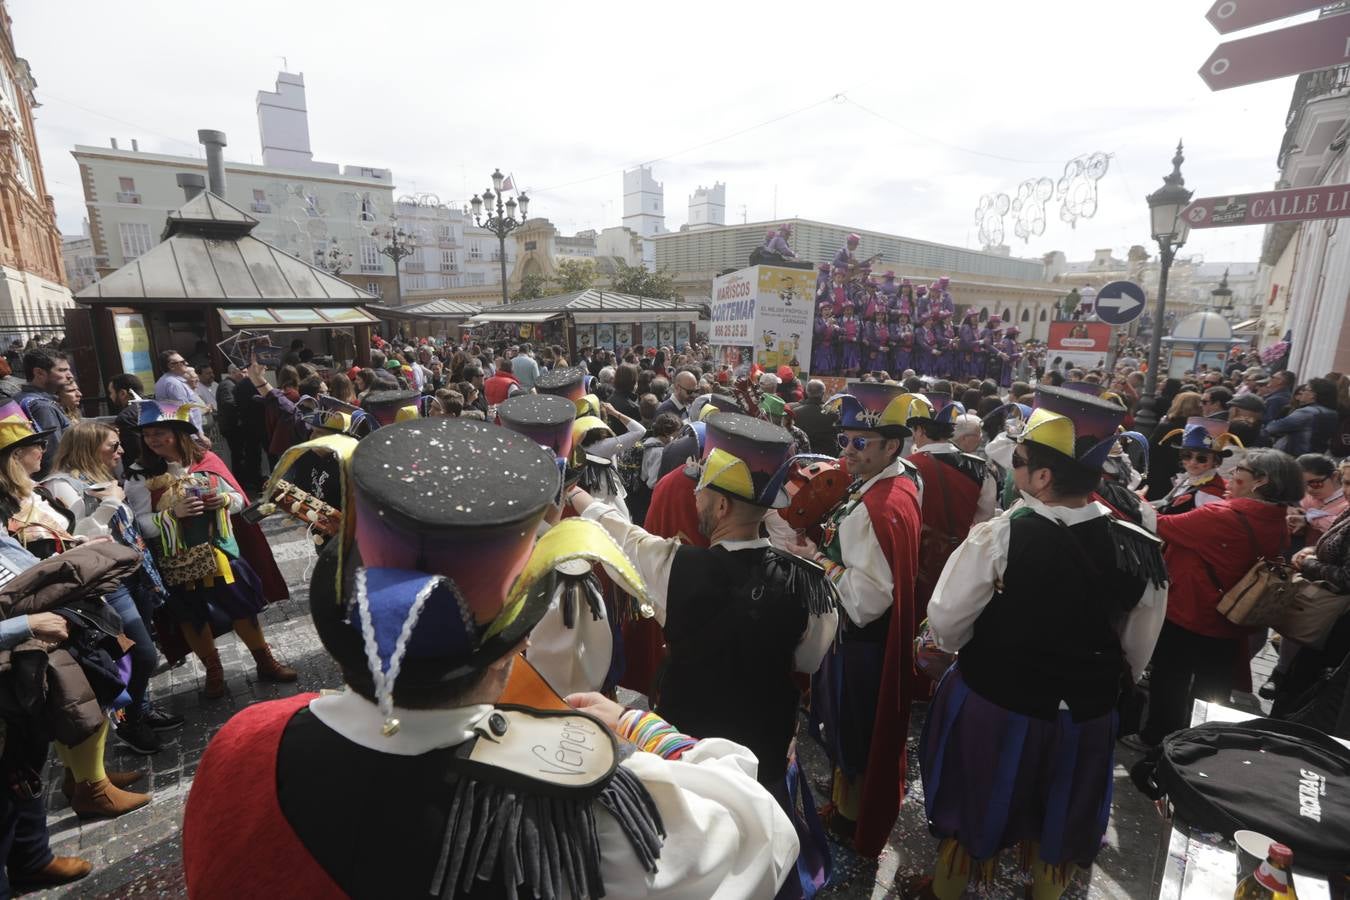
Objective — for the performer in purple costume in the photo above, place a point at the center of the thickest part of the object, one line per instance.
(881, 343)
(850, 360)
(941, 300)
(922, 308)
(946, 343)
(986, 349)
(839, 292)
(906, 297)
(925, 347)
(845, 259)
(888, 288)
(968, 341)
(1012, 354)
(989, 339)
(822, 283)
(902, 346)
(826, 331)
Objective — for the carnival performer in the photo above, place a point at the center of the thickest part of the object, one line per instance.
(989, 337)
(888, 288)
(1010, 354)
(968, 342)
(826, 332)
(905, 297)
(960, 491)
(850, 360)
(822, 284)
(184, 499)
(860, 699)
(425, 605)
(839, 291)
(737, 611)
(923, 309)
(881, 342)
(925, 347)
(1202, 445)
(948, 355)
(902, 345)
(941, 298)
(1003, 720)
(844, 261)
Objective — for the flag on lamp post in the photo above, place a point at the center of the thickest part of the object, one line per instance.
(510, 183)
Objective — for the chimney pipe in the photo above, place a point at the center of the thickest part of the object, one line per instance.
(191, 183)
(214, 141)
(136, 147)
(114, 142)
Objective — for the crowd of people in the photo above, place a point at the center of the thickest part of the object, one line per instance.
(508, 535)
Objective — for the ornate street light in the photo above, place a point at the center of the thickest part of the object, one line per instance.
(396, 244)
(1222, 297)
(1170, 230)
(501, 222)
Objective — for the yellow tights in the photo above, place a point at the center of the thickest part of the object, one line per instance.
(955, 869)
(85, 759)
(203, 643)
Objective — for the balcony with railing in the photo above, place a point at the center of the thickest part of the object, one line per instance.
(128, 197)
(414, 267)
(260, 207)
(447, 243)
(1309, 87)
(449, 268)
(372, 268)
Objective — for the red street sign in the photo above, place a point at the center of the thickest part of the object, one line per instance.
(1320, 44)
(1329, 201)
(1228, 16)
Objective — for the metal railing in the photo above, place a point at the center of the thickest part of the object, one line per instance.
(261, 207)
(128, 197)
(1311, 86)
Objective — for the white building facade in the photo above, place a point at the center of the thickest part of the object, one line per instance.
(708, 206)
(450, 251)
(644, 209)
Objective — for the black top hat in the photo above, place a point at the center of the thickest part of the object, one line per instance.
(545, 418)
(569, 383)
(385, 406)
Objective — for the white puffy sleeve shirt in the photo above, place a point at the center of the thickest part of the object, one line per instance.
(975, 569)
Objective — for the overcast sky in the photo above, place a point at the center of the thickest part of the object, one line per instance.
(934, 104)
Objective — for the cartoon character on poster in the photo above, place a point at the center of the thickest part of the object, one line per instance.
(623, 337)
(526, 332)
(767, 356)
(649, 334)
(585, 336)
(667, 334)
(604, 336)
(787, 351)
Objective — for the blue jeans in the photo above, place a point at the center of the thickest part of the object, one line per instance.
(23, 838)
(144, 656)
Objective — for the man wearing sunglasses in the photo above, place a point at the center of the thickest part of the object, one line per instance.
(870, 548)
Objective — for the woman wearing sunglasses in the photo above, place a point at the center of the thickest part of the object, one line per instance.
(1201, 445)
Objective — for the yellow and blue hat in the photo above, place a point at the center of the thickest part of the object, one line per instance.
(164, 413)
(1074, 424)
(937, 407)
(746, 458)
(17, 430)
(388, 407)
(872, 406)
(1203, 433)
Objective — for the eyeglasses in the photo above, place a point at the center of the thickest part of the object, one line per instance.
(1019, 462)
(858, 443)
(1198, 455)
(1315, 482)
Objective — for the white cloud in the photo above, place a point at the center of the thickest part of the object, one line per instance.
(559, 94)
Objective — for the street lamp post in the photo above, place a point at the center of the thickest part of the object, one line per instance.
(503, 221)
(1170, 231)
(1222, 297)
(397, 245)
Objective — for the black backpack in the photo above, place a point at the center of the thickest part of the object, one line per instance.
(1282, 779)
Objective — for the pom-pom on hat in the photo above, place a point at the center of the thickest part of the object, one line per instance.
(569, 383)
(17, 430)
(1075, 424)
(746, 458)
(443, 575)
(163, 413)
(1203, 433)
(388, 407)
(872, 406)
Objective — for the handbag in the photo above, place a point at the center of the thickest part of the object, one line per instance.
(1262, 594)
(189, 565)
(1311, 612)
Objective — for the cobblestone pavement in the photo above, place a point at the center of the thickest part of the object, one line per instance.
(139, 854)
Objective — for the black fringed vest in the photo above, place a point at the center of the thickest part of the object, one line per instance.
(732, 625)
(1051, 633)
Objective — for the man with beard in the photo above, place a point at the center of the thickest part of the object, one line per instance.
(870, 550)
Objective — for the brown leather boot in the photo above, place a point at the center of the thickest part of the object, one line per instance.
(61, 870)
(118, 779)
(271, 670)
(99, 799)
(215, 675)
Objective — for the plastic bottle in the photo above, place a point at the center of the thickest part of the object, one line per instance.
(1272, 879)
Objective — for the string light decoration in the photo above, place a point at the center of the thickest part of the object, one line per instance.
(1076, 191)
(1029, 207)
(1077, 188)
(989, 217)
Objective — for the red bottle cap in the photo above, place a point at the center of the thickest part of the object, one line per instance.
(1280, 855)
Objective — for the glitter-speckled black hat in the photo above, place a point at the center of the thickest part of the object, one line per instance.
(543, 417)
(387, 407)
(569, 383)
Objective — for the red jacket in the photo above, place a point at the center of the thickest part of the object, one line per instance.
(1213, 535)
(498, 387)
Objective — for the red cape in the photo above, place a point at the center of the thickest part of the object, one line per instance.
(893, 506)
(236, 840)
(948, 493)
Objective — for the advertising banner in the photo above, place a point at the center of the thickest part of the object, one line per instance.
(604, 337)
(1082, 345)
(585, 336)
(783, 317)
(133, 344)
(649, 334)
(733, 309)
(666, 330)
(623, 337)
